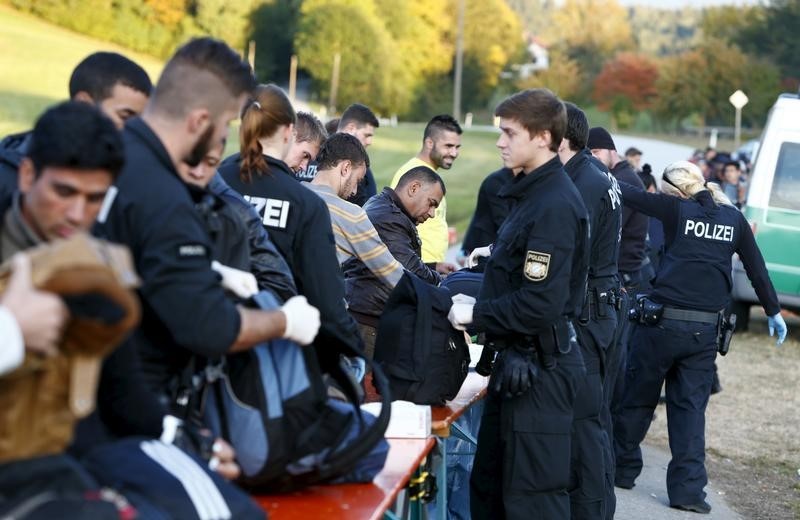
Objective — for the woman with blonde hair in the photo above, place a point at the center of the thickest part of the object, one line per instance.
(677, 326)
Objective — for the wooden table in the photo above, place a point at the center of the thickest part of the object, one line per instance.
(353, 501)
(472, 391)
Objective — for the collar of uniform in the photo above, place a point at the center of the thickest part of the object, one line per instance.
(397, 202)
(705, 199)
(277, 163)
(518, 187)
(143, 132)
(622, 165)
(573, 165)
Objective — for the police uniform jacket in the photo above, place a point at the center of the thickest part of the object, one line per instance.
(490, 212)
(632, 249)
(604, 206)
(366, 293)
(265, 262)
(700, 238)
(537, 272)
(299, 225)
(184, 309)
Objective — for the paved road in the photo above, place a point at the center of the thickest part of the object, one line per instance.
(648, 499)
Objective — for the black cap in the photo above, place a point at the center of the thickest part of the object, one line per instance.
(600, 139)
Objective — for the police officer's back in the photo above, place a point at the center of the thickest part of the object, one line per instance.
(298, 221)
(681, 325)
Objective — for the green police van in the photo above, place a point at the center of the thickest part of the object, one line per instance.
(773, 210)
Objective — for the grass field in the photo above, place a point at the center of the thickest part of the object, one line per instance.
(36, 61)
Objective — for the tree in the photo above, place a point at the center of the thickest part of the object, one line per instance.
(626, 84)
(773, 35)
(563, 77)
(223, 19)
(492, 39)
(590, 32)
(423, 44)
(273, 25)
(353, 30)
(701, 80)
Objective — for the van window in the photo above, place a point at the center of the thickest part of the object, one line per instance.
(786, 184)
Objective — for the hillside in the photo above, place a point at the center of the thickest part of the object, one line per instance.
(36, 63)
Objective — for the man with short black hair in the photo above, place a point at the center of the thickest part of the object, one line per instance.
(359, 121)
(441, 143)
(117, 85)
(342, 163)
(634, 156)
(395, 214)
(534, 286)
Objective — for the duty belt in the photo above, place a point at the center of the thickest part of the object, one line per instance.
(671, 313)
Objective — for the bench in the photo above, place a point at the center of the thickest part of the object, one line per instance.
(373, 501)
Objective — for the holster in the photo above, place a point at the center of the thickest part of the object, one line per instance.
(646, 311)
(725, 328)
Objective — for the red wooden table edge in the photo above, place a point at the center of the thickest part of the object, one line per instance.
(269, 502)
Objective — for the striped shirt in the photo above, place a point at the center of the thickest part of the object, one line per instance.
(356, 236)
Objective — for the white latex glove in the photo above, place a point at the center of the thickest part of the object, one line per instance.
(463, 298)
(478, 252)
(302, 320)
(241, 283)
(460, 315)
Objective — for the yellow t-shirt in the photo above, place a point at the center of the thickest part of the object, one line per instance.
(433, 232)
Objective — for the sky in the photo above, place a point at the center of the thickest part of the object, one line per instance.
(681, 3)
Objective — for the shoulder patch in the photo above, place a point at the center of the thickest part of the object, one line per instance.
(192, 250)
(536, 266)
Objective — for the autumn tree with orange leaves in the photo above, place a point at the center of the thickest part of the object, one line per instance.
(626, 85)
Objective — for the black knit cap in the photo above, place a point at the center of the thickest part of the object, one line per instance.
(600, 139)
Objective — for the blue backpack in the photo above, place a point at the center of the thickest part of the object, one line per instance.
(271, 404)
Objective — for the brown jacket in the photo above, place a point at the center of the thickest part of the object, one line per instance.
(41, 400)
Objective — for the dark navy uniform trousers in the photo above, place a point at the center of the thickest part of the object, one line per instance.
(681, 353)
(521, 470)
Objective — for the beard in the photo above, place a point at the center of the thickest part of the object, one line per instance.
(439, 160)
(201, 147)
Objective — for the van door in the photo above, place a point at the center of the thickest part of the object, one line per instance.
(778, 234)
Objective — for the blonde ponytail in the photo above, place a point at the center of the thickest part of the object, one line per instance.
(685, 178)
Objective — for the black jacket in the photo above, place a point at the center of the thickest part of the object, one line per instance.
(700, 238)
(299, 225)
(537, 272)
(184, 309)
(632, 248)
(490, 211)
(12, 149)
(367, 294)
(265, 262)
(604, 206)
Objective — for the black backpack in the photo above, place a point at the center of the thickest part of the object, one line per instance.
(425, 359)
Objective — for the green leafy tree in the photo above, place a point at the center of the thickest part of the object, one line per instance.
(273, 25)
(353, 30)
(774, 34)
(492, 40)
(563, 77)
(590, 32)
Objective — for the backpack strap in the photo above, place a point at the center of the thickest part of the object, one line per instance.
(423, 327)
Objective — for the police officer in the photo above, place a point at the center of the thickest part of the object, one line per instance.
(591, 480)
(297, 220)
(533, 288)
(185, 311)
(676, 335)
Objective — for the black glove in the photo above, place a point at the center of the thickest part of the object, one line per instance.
(514, 372)
(485, 363)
